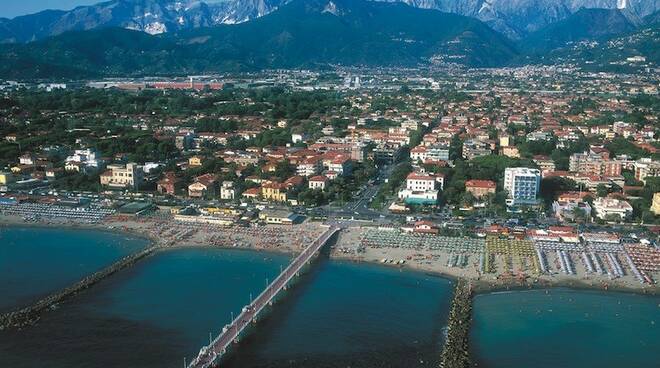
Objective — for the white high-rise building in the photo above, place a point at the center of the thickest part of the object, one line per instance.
(522, 185)
(622, 4)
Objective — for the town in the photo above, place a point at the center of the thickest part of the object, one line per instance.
(522, 173)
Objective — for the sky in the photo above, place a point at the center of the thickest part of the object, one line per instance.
(14, 8)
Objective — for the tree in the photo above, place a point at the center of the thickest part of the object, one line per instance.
(552, 186)
(602, 190)
(283, 170)
(579, 214)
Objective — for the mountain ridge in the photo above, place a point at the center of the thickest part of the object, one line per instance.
(514, 18)
(303, 33)
(584, 25)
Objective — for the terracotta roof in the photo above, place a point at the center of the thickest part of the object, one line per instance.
(415, 176)
(318, 178)
(480, 184)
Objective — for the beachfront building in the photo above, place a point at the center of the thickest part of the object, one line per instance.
(571, 209)
(169, 184)
(227, 191)
(203, 187)
(612, 208)
(128, 176)
(421, 189)
(274, 191)
(522, 185)
(277, 217)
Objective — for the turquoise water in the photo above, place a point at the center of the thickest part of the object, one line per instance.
(37, 261)
(354, 315)
(162, 310)
(565, 328)
(340, 314)
(151, 315)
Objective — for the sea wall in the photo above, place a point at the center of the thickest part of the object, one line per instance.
(31, 314)
(456, 350)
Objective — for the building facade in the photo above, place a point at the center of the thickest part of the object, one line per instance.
(522, 185)
(128, 176)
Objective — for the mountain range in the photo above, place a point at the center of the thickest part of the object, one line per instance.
(302, 33)
(316, 33)
(514, 18)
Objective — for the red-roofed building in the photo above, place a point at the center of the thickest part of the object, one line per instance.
(318, 182)
(204, 186)
(480, 188)
(425, 227)
(169, 184)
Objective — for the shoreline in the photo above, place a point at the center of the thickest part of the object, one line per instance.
(8, 222)
(480, 284)
(484, 287)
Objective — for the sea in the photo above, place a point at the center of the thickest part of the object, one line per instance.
(159, 312)
(566, 328)
(37, 261)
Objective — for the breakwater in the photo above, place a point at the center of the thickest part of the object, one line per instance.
(31, 314)
(456, 350)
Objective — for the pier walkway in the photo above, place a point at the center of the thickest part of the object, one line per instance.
(210, 355)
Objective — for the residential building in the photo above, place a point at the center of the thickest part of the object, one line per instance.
(309, 166)
(475, 148)
(203, 187)
(607, 208)
(83, 160)
(6, 178)
(480, 188)
(340, 164)
(545, 163)
(429, 153)
(522, 185)
(169, 184)
(318, 182)
(510, 151)
(646, 167)
(387, 153)
(655, 206)
(251, 193)
(227, 191)
(421, 189)
(128, 176)
(195, 161)
(274, 191)
(594, 164)
(27, 159)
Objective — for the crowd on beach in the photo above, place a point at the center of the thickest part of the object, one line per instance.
(37, 211)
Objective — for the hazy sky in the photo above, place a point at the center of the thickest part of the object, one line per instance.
(13, 8)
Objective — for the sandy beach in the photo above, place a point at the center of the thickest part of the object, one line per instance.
(433, 261)
(165, 232)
